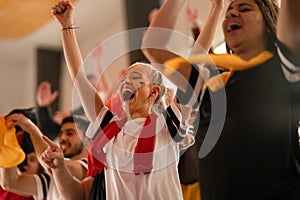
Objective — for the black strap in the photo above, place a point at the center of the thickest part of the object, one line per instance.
(173, 116)
(107, 117)
(44, 184)
(184, 97)
(173, 124)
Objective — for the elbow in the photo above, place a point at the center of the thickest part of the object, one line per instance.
(144, 46)
(157, 56)
(149, 53)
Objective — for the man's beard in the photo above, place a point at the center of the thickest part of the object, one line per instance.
(75, 153)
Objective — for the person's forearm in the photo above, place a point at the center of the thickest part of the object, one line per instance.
(68, 186)
(47, 125)
(86, 91)
(206, 36)
(71, 51)
(168, 14)
(157, 36)
(288, 26)
(38, 143)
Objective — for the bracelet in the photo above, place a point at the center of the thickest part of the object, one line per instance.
(69, 27)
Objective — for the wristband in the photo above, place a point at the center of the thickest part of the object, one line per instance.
(69, 27)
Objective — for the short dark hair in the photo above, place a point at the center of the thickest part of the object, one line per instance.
(30, 113)
(81, 122)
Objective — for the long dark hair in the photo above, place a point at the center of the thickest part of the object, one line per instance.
(269, 11)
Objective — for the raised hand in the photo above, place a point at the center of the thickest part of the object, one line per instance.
(191, 14)
(218, 3)
(22, 121)
(45, 97)
(53, 156)
(63, 13)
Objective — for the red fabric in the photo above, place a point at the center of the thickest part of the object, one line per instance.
(20, 138)
(5, 195)
(143, 151)
(96, 158)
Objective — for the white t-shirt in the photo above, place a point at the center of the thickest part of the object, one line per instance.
(121, 183)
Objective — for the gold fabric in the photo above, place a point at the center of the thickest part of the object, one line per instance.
(228, 62)
(11, 154)
(191, 191)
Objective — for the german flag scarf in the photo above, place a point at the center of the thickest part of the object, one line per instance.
(143, 153)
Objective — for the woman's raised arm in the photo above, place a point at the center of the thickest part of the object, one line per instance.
(288, 27)
(91, 101)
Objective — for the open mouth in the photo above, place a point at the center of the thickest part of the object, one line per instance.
(127, 95)
(64, 146)
(233, 27)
